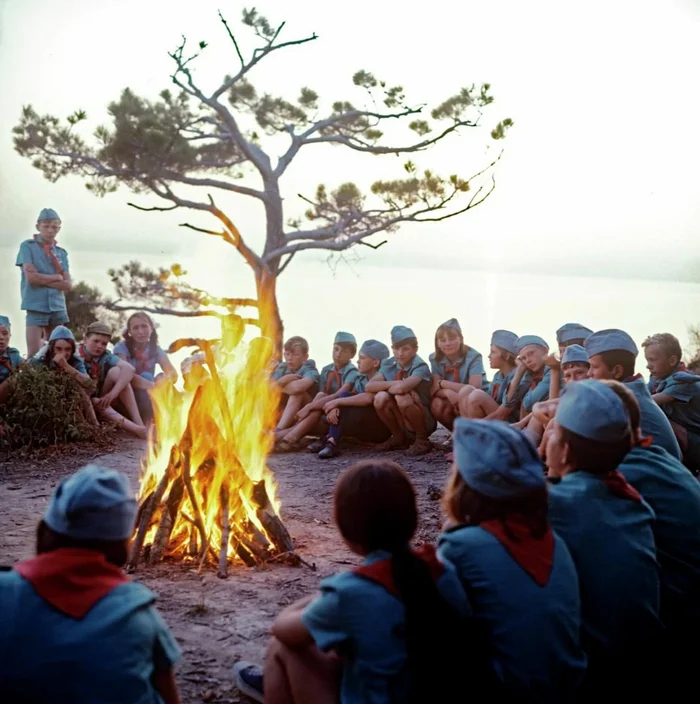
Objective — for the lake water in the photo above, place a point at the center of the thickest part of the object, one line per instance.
(368, 300)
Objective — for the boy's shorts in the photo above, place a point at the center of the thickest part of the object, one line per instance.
(47, 320)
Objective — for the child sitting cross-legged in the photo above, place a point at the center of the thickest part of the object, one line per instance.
(402, 400)
(112, 377)
(390, 630)
(353, 413)
(73, 627)
(336, 379)
(10, 358)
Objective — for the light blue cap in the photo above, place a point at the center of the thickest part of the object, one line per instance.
(344, 337)
(453, 324)
(505, 339)
(5, 322)
(399, 333)
(495, 459)
(572, 331)
(61, 332)
(375, 350)
(95, 503)
(574, 353)
(48, 214)
(609, 341)
(594, 411)
(526, 340)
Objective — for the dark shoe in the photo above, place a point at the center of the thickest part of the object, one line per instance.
(395, 442)
(249, 680)
(316, 445)
(329, 451)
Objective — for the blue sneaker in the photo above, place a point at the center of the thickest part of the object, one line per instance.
(249, 680)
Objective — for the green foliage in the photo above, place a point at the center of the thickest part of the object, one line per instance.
(82, 312)
(694, 356)
(45, 408)
(500, 130)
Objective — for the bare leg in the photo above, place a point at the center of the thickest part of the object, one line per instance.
(300, 675)
(463, 399)
(413, 414)
(35, 335)
(294, 405)
(109, 414)
(388, 413)
(126, 396)
(303, 427)
(480, 405)
(88, 410)
(453, 399)
(681, 435)
(442, 411)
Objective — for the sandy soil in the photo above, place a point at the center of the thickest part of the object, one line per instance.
(218, 622)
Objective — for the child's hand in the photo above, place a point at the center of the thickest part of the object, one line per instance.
(544, 411)
(552, 361)
(330, 406)
(396, 388)
(520, 367)
(105, 401)
(59, 360)
(333, 416)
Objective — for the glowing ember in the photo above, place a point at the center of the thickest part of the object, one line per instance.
(206, 492)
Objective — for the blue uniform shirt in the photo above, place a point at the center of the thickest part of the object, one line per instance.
(10, 359)
(392, 371)
(612, 543)
(144, 365)
(332, 379)
(470, 365)
(532, 631)
(107, 656)
(498, 388)
(538, 390)
(43, 299)
(40, 358)
(362, 619)
(97, 367)
(306, 371)
(685, 389)
(360, 384)
(674, 496)
(654, 422)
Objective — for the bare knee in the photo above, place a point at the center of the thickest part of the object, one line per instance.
(466, 391)
(382, 399)
(477, 396)
(404, 401)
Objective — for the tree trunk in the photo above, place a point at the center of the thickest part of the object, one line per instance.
(268, 310)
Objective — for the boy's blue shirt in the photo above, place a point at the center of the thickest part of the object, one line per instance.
(685, 389)
(333, 379)
(391, 370)
(103, 363)
(538, 390)
(10, 359)
(306, 371)
(43, 299)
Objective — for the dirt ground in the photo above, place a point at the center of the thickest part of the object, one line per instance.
(218, 622)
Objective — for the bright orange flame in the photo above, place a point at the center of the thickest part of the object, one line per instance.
(217, 434)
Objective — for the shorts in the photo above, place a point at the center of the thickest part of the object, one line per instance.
(47, 320)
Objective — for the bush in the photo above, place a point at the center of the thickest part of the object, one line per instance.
(45, 408)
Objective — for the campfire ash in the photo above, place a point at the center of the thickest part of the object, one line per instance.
(206, 493)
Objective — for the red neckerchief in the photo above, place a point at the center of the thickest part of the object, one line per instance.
(400, 375)
(72, 580)
(93, 364)
(48, 251)
(619, 486)
(5, 362)
(536, 380)
(534, 555)
(380, 571)
(495, 388)
(628, 379)
(333, 381)
(142, 359)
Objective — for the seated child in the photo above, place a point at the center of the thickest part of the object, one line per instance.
(140, 349)
(388, 631)
(493, 405)
(402, 400)
(73, 626)
(531, 369)
(574, 364)
(298, 380)
(454, 367)
(336, 379)
(112, 377)
(572, 334)
(608, 529)
(10, 358)
(519, 576)
(353, 414)
(677, 392)
(60, 355)
(612, 354)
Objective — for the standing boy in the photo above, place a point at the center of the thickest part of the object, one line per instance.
(10, 358)
(402, 400)
(612, 354)
(677, 392)
(45, 279)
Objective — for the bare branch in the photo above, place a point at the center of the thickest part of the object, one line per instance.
(154, 310)
(154, 208)
(232, 38)
(373, 246)
(213, 183)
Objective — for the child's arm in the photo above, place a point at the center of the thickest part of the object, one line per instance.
(501, 413)
(515, 384)
(319, 403)
(378, 383)
(299, 386)
(435, 380)
(663, 398)
(37, 279)
(356, 401)
(289, 627)
(164, 682)
(126, 375)
(554, 365)
(405, 386)
(167, 367)
(288, 379)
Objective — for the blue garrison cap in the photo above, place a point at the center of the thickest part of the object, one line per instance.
(95, 503)
(5, 321)
(526, 340)
(608, 341)
(452, 323)
(399, 333)
(505, 339)
(574, 353)
(594, 411)
(344, 337)
(495, 459)
(61, 332)
(375, 350)
(572, 331)
(48, 214)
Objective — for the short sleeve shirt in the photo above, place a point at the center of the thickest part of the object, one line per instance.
(470, 365)
(538, 389)
(684, 387)
(97, 367)
(10, 359)
(306, 371)
(360, 384)
(392, 371)
(499, 386)
(333, 379)
(145, 364)
(43, 299)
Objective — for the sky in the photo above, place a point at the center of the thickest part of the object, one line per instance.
(598, 178)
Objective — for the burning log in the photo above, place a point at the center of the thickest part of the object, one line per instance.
(167, 521)
(270, 520)
(225, 534)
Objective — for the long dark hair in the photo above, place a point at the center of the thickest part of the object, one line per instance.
(375, 509)
(152, 340)
(464, 348)
(51, 351)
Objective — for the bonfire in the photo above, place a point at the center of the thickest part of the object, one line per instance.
(206, 493)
